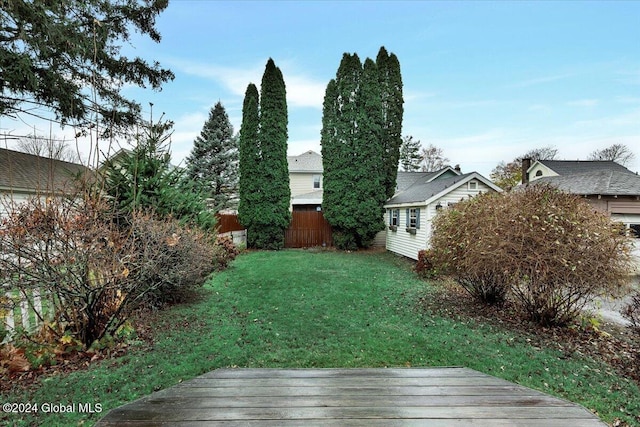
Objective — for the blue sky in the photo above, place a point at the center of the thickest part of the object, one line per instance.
(484, 81)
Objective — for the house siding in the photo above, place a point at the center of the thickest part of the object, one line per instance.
(540, 167)
(8, 199)
(406, 244)
(302, 182)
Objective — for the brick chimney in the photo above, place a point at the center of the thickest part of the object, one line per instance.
(457, 168)
(526, 164)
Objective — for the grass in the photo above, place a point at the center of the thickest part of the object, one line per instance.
(323, 309)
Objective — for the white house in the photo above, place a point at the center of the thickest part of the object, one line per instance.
(305, 181)
(25, 175)
(419, 196)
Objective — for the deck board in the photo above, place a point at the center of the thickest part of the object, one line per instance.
(349, 397)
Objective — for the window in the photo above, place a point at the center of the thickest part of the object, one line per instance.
(634, 230)
(316, 181)
(473, 185)
(413, 218)
(539, 173)
(394, 217)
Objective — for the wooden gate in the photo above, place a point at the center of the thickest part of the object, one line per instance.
(308, 229)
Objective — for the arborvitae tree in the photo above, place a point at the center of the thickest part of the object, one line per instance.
(352, 150)
(357, 148)
(264, 174)
(410, 157)
(273, 207)
(213, 162)
(390, 83)
(249, 150)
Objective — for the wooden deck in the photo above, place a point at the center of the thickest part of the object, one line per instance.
(349, 397)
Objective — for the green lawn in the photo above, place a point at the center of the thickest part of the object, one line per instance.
(324, 309)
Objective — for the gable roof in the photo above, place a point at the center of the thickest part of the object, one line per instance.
(424, 191)
(309, 161)
(405, 180)
(29, 173)
(571, 167)
(599, 182)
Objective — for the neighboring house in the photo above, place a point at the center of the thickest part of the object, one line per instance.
(305, 181)
(23, 176)
(419, 196)
(606, 185)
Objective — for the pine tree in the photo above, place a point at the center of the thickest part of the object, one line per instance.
(390, 81)
(249, 151)
(410, 157)
(213, 162)
(273, 206)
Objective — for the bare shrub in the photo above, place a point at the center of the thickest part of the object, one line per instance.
(425, 266)
(94, 272)
(463, 244)
(176, 259)
(549, 250)
(631, 312)
(65, 249)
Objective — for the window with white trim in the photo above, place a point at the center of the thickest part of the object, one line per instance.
(473, 185)
(394, 217)
(317, 179)
(413, 218)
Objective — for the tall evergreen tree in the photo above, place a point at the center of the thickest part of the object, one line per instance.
(213, 162)
(264, 174)
(50, 51)
(273, 206)
(390, 81)
(249, 150)
(353, 153)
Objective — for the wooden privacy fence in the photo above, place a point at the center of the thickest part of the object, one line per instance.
(308, 229)
(228, 222)
(229, 226)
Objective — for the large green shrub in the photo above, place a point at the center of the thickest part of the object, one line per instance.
(549, 251)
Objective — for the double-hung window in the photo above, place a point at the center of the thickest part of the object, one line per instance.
(413, 219)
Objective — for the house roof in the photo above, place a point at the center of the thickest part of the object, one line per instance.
(422, 190)
(29, 173)
(602, 182)
(431, 186)
(570, 167)
(309, 161)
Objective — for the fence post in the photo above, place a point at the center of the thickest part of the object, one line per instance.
(9, 320)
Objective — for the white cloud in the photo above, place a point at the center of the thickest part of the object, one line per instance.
(630, 118)
(583, 103)
(540, 80)
(302, 91)
(540, 108)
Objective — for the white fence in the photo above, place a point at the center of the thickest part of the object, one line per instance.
(26, 311)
